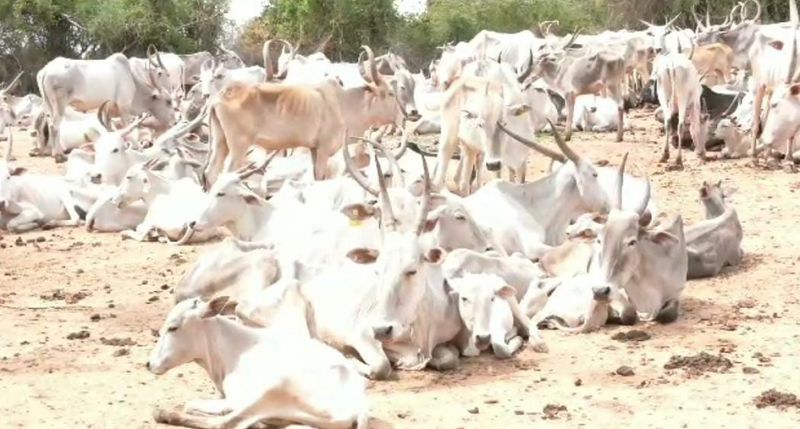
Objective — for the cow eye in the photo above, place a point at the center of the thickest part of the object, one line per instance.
(464, 299)
(594, 174)
(411, 273)
(632, 243)
(172, 329)
(219, 76)
(461, 217)
(220, 194)
(116, 150)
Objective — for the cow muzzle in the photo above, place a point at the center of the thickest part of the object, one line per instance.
(601, 293)
(383, 332)
(493, 166)
(413, 115)
(96, 178)
(2, 205)
(482, 341)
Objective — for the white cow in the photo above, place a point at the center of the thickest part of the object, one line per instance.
(262, 374)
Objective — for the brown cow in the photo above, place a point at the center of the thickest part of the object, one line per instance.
(277, 116)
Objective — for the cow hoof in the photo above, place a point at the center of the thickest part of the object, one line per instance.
(60, 159)
(540, 348)
(664, 158)
(789, 167)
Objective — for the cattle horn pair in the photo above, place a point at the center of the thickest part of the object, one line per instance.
(13, 83)
(267, 55)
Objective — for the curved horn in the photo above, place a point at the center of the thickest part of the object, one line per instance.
(292, 54)
(180, 129)
(102, 116)
(671, 21)
(386, 153)
(524, 76)
(793, 53)
(373, 68)
(127, 130)
(251, 169)
(571, 39)
(645, 199)
(732, 16)
(362, 70)
(757, 17)
(426, 197)
(357, 176)
(533, 145)
(574, 157)
(390, 222)
(698, 22)
(620, 178)
(13, 82)
(267, 61)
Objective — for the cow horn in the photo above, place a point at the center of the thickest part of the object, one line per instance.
(389, 221)
(267, 60)
(426, 197)
(793, 18)
(757, 17)
(731, 17)
(361, 70)
(179, 130)
(645, 199)
(533, 145)
(698, 22)
(127, 130)
(574, 157)
(571, 39)
(102, 116)
(13, 82)
(357, 176)
(708, 17)
(671, 21)
(292, 55)
(386, 153)
(691, 52)
(524, 76)
(620, 178)
(251, 169)
(373, 68)
(10, 141)
(793, 61)
(647, 23)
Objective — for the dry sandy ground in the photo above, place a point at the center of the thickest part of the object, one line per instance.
(747, 315)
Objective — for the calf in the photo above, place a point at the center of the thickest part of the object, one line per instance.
(484, 304)
(574, 304)
(714, 243)
(262, 374)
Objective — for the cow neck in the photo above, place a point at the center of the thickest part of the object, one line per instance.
(226, 341)
(357, 115)
(555, 75)
(252, 221)
(552, 201)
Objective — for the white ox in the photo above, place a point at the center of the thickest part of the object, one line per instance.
(262, 374)
(87, 84)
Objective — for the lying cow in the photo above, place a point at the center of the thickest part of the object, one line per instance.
(262, 374)
(714, 243)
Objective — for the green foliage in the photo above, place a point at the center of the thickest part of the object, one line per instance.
(32, 32)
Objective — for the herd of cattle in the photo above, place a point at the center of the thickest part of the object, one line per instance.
(394, 265)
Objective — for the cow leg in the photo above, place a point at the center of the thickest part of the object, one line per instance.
(620, 119)
(570, 112)
(448, 141)
(142, 233)
(669, 312)
(524, 326)
(211, 407)
(30, 218)
(319, 158)
(505, 349)
(679, 158)
(371, 351)
(444, 357)
(468, 158)
(788, 160)
(695, 130)
(757, 101)
(667, 138)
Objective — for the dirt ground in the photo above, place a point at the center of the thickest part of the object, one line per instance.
(67, 283)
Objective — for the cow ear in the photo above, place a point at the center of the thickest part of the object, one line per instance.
(645, 218)
(794, 89)
(358, 212)
(599, 218)
(663, 238)
(506, 292)
(434, 256)
(587, 234)
(216, 307)
(363, 255)
(195, 78)
(18, 171)
(776, 44)
(430, 224)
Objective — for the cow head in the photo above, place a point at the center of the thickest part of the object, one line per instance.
(450, 226)
(135, 185)
(782, 115)
(401, 263)
(382, 103)
(111, 157)
(212, 78)
(659, 32)
(403, 84)
(182, 337)
(713, 197)
(159, 101)
(478, 296)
